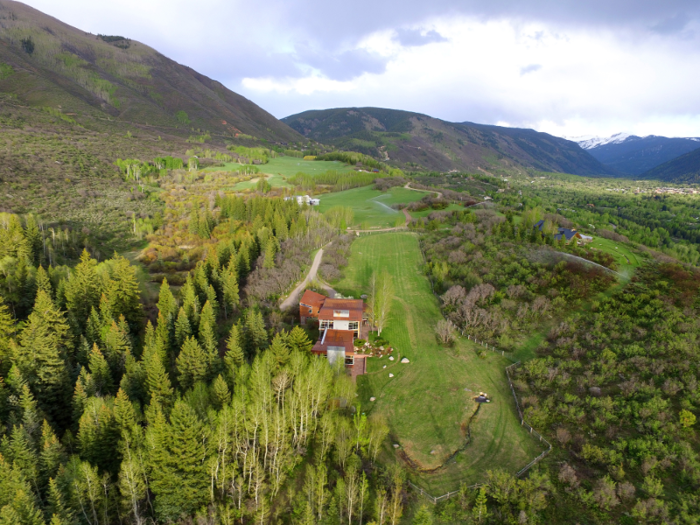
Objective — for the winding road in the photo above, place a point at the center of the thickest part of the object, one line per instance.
(293, 298)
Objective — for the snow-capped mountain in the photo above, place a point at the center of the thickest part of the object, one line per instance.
(594, 142)
(633, 155)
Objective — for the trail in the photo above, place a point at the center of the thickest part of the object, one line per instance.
(408, 187)
(293, 297)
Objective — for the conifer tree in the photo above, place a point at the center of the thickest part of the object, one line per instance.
(116, 347)
(123, 292)
(52, 454)
(100, 373)
(57, 506)
(191, 363)
(7, 328)
(234, 356)
(34, 242)
(44, 347)
(43, 282)
(167, 306)
(297, 339)
(158, 384)
(255, 333)
(98, 434)
(179, 476)
(190, 302)
(220, 392)
(230, 288)
(182, 328)
(207, 338)
(279, 350)
(83, 289)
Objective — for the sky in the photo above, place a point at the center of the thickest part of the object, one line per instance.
(572, 68)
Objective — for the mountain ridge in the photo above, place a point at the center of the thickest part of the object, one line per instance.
(634, 155)
(48, 63)
(417, 141)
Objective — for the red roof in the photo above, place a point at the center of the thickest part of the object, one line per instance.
(342, 310)
(342, 338)
(313, 299)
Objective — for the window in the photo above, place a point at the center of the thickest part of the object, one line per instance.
(341, 313)
(326, 324)
(350, 360)
(353, 325)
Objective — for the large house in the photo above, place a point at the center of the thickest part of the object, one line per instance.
(340, 322)
(569, 234)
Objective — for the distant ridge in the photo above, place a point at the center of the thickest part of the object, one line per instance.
(634, 155)
(683, 169)
(417, 141)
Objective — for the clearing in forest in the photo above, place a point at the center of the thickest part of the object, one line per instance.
(428, 404)
(372, 208)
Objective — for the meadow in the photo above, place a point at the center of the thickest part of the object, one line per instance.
(372, 208)
(428, 404)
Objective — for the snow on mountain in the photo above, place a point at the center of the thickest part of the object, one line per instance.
(595, 142)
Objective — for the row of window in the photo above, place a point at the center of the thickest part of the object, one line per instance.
(352, 325)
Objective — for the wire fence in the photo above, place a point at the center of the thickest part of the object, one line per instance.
(436, 499)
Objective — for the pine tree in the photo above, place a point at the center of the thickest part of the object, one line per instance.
(100, 372)
(158, 384)
(83, 290)
(179, 476)
(34, 241)
(270, 252)
(43, 282)
(279, 350)
(230, 288)
(207, 337)
(44, 347)
(98, 435)
(255, 333)
(234, 356)
(167, 306)
(57, 506)
(190, 302)
(123, 292)
(116, 347)
(220, 392)
(7, 329)
(299, 340)
(52, 454)
(191, 363)
(183, 329)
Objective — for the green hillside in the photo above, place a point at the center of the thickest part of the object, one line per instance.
(46, 63)
(415, 141)
(683, 169)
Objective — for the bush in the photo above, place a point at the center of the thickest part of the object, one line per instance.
(360, 342)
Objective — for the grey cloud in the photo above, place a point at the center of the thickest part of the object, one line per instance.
(671, 25)
(343, 65)
(414, 37)
(531, 68)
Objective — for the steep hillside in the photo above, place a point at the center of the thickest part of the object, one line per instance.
(634, 155)
(412, 140)
(47, 63)
(684, 169)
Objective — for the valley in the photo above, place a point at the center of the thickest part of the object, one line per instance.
(156, 361)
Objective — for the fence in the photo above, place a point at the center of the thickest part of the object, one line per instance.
(436, 499)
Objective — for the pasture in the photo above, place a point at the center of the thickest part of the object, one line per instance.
(428, 404)
(372, 208)
(627, 260)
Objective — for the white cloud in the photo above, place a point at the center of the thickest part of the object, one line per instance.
(571, 68)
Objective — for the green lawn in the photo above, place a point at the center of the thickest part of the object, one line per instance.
(627, 260)
(425, 213)
(276, 181)
(372, 207)
(427, 404)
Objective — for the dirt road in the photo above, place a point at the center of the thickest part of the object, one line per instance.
(293, 298)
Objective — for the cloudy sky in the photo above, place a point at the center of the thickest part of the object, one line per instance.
(567, 67)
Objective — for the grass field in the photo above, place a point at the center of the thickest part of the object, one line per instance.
(428, 403)
(276, 181)
(626, 259)
(372, 208)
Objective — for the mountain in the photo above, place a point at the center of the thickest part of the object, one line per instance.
(683, 169)
(46, 63)
(635, 155)
(413, 140)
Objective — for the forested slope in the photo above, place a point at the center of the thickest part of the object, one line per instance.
(416, 141)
